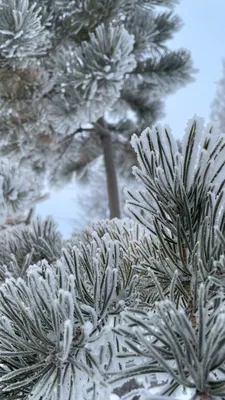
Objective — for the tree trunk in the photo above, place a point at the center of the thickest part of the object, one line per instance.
(112, 185)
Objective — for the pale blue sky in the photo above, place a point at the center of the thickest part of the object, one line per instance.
(204, 35)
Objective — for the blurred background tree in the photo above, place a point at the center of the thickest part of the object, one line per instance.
(78, 78)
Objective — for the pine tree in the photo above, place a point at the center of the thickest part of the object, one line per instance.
(137, 298)
(79, 76)
(218, 104)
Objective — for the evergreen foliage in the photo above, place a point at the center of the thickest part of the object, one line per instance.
(18, 192)
(125, 299)
(26, 245)
(66, 64)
